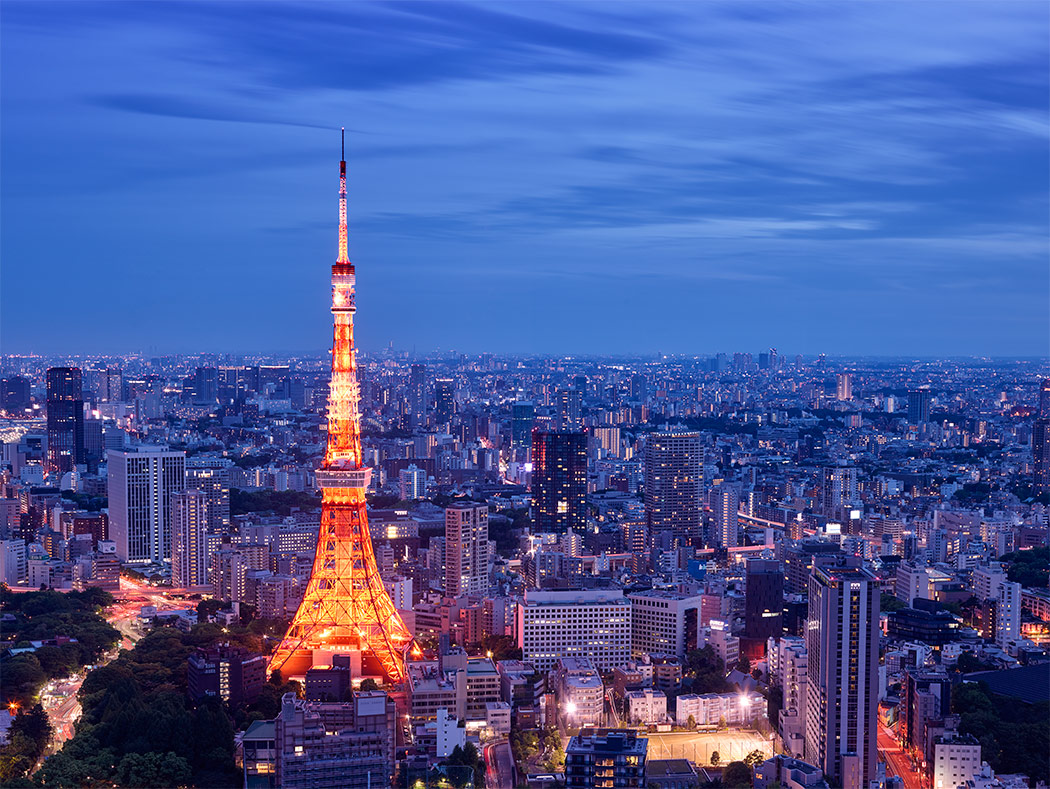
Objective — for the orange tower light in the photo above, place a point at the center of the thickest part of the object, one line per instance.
(345, 606)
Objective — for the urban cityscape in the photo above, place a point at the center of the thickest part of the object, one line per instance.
(370, 565)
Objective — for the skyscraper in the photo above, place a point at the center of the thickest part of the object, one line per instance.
(725, 522)
(417, 392)
(674, 485)
(14, 393)
(444, 399)
(838, 489)
(570, 409)
(843, 692)
(189, 555)
(1044, 399)
(466, 549)
(764, 599)
(65, 419)
(345, 606)
(522, 418)
(211, 476)
(844, 388)
(559, 481)
(1041, 455)
(141, 483)
(918, 406)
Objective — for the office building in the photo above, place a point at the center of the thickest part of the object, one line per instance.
(211, 476)
(674, 486)
(844, 387)
(444, 399)
(605, 758)
(838, 490)
(15, 394)
(141, 483)
(580, 692)
(65, 419)
(785, 772)
(763, 599)
(789, 665)
(522, 419)
(13, 564)
(843, 680)
(918, 406)
(466, 549)
(189, 555)
(559, 481)
(593, 624)
(725, 522)
(417, 392)
(664, 622)
(926, 695)
(570, 409)
(225, 672)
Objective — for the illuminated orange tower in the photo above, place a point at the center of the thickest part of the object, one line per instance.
(345, 606)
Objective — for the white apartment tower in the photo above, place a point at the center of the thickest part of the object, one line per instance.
(141, 482)
(466, 549)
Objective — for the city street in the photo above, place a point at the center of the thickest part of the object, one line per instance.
(897, 761)
(499, 766)
(732, 745)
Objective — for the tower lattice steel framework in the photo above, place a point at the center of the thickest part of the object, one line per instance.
(345, 606)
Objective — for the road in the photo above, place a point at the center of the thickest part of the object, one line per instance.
(59, 697)
(499, 766)
(897, 761)
(732, 745)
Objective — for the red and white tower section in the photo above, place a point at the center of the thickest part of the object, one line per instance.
(345, 607)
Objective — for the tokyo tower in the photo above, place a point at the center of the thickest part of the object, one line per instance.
(345, 606)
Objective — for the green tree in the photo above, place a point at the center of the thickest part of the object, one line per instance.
(154, 770)
(736, 775)
(754, 759)
(691, 722)
(716, 757)
(369, 684)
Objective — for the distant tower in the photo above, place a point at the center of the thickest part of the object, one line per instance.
(189, 555)
(345, 606)
(918, 406)
(844, 388)
(725, 521)
(65, 419)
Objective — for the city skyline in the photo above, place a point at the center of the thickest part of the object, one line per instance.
(669, 180)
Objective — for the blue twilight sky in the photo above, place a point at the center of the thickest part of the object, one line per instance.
(852, 178)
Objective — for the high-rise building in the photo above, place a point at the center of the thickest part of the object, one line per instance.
(444, 399)
(926, 695)
(1041, 455)
(417, 392)
(918, 406)
(639, 389)
(1008, 613)
(844, 387)
(211, 476)
(664, 622)
(570, 409)
(522, 419)
(1044, 399)
(559, 481)
(141, 483)
(606, 757)
(65, 419)
(412, 482)
(838, 489)
(189, 555)
(674, 486)
(764, 599)
(14, 394)
(345, 606)
(466, 549)
(843, 689)
(725, 522)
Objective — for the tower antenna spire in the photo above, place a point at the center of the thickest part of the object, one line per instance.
(342, 143)
(343, 256)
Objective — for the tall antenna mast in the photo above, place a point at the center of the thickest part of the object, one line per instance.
(343, 256)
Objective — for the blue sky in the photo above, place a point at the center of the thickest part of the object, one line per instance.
(849, 178)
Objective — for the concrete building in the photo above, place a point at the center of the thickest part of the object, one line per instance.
(140, 485)
(788, 662)
(466, 549)
(843, 687)
(581, 695)
(956, 760)
(189, 555)
(788, 773)
(1008, 614)
(14, 567)
(646, 707)
(228, 673)
(594, 624)
(713, 709)
(606, 757)
(725, 520)
(211, 476)
(664, 622)
(674, 485)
